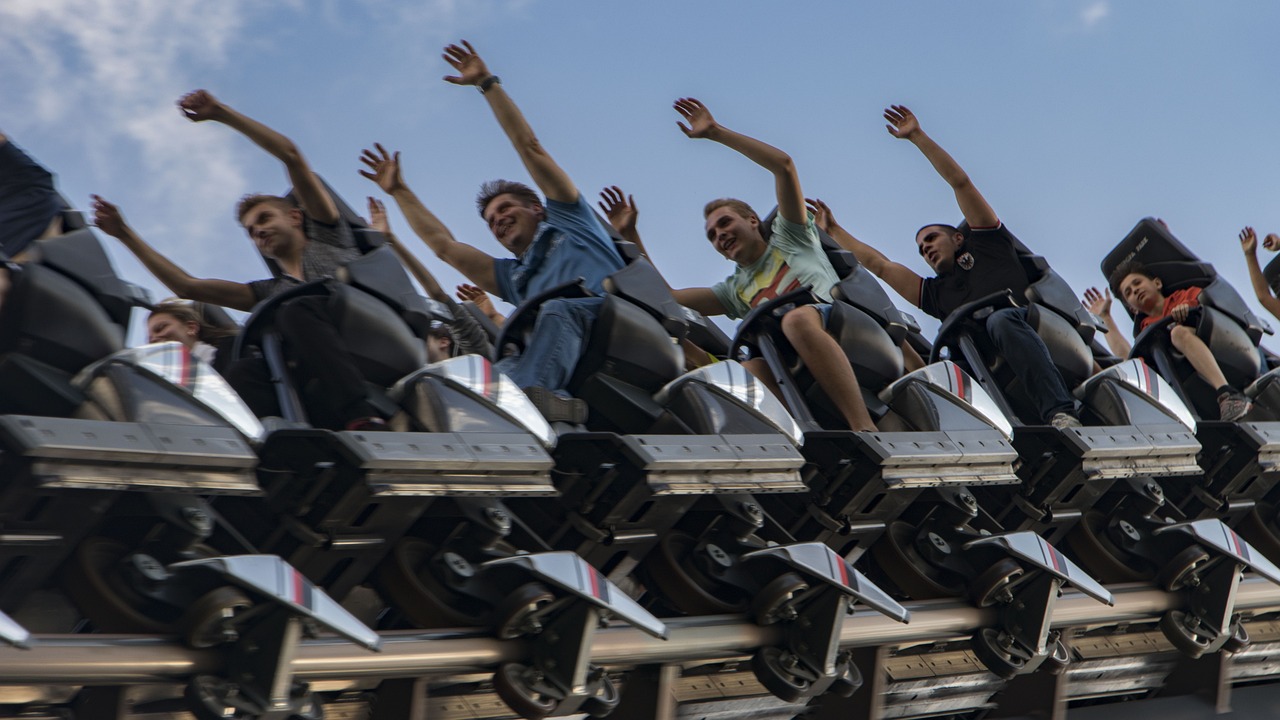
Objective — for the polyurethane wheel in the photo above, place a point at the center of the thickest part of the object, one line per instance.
(407, 580)
(512, 615)
(903, 565)
(204, 624)
(768, 605)
(1098, 555)
(604, 701)
(511, 682)
(1059, 657)
(1176, 625)
(1177, 573)
(88, 579)
(999, 656)
(1239, 639)
(986, 590)
(669, 571)
(848, 676)
(770, 667)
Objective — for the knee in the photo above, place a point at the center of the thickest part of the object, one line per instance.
(1183, 337)
(759, 369)
(802, 322)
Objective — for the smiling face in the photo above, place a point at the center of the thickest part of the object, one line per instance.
(276, 230)
(513, 221)
(734, 236)
(163, 327)
(1141, 293)
(938, 245)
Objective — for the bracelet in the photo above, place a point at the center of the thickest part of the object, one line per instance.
(484, 85)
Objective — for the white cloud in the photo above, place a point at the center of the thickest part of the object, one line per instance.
(1095, 13)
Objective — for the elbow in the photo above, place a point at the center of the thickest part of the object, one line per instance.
(289, 154)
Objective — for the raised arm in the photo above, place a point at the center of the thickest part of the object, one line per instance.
(904, 125)
(902, 279)
(200, 105)
(384, 170)
(237, 296)
(482, 301)
(786, 179)
(1262, 291)
(546, 174)
(378, 221)
(1099, 303)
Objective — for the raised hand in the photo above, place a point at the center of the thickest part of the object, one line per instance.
(902, 122)
(200, 105)
(822, 215)
(1096, 302)
(107, 218)
(473, 294)
(620, 209)
(385, 168)
(1271, 242)
(1248, 240)
(378, 217)
(464, 59)
(701, 123)
(1179, 313)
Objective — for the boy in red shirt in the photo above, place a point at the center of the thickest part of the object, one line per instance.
(1143, 293)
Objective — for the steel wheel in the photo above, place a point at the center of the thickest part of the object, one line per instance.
(514, 617)
(604, 701)
(906, 568)
(407, 580)
(669, 571)
(1176, 625)
(1178, 572)
(1098, 555)
(512, 683)
(992, 586)
(773, 603)
(90, 579)
(774, 668)
(995, 650)
(205, 623)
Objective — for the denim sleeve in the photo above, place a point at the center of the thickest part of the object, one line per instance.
(502, 268)
(579, 219)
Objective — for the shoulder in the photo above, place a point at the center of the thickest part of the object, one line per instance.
(794, 235)
(338, 234)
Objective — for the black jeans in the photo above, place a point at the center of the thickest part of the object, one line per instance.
(328, 381)
(1026, 353)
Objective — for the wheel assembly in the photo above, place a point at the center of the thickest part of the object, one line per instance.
(996, 650)
(776, 668)
(1099, 555)
(514, 684)
(1180, 571)
(672, 571)
(993, 585)
(1059, 656)
(604, 701)
(1239, 639)
(514, 617)
(1183, 630)
(773, 602)
(408, 578)
(906, 568)
(205, 623)
(212, 698)
(93, 578)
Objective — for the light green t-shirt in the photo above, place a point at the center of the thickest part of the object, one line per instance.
(794, 258)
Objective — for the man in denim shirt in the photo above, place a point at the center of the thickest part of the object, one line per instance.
(554, 242)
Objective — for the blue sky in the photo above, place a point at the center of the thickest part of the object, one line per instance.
(1075, 118)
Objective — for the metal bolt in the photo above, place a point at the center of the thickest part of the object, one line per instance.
(149, 567)
(198, 519)
(498, 519)
(940, 543)
(1129, 530)
(968, 500)
(458, 564)
(751, 510)
(718, 555)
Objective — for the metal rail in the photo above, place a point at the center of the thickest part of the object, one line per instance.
(130, 660)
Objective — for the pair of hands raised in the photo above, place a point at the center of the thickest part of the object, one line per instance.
(1249, 241)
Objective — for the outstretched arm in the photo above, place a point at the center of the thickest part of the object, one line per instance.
(312, 196)
(384, 170)
(902, 279)
(378, 221)
(786, 179)
(548, 176)
(481, 299)
(1249, 244)
(234, 295)
(1099, 303)
(904, 125)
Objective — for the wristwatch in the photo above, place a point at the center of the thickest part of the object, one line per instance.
(487, 83)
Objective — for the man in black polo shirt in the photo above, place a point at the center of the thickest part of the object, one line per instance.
(970, 267)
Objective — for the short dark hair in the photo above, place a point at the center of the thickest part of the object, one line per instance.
(494, 188)
(1127, 268)
(734, 204)
(249, 202)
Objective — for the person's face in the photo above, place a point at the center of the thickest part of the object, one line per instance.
(513, 222)
(1140, 292)
(163, 327)
(274, 229)
(938, 245)
(733, 236)
(439, 347)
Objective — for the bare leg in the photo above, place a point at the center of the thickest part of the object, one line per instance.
(911, 359)
(760, 368)
(822, 354)
(1198, 354)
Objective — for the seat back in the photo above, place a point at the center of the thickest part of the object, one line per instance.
(379, 341)
(627, 343)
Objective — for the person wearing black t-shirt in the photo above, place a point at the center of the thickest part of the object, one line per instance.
(970, 267)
